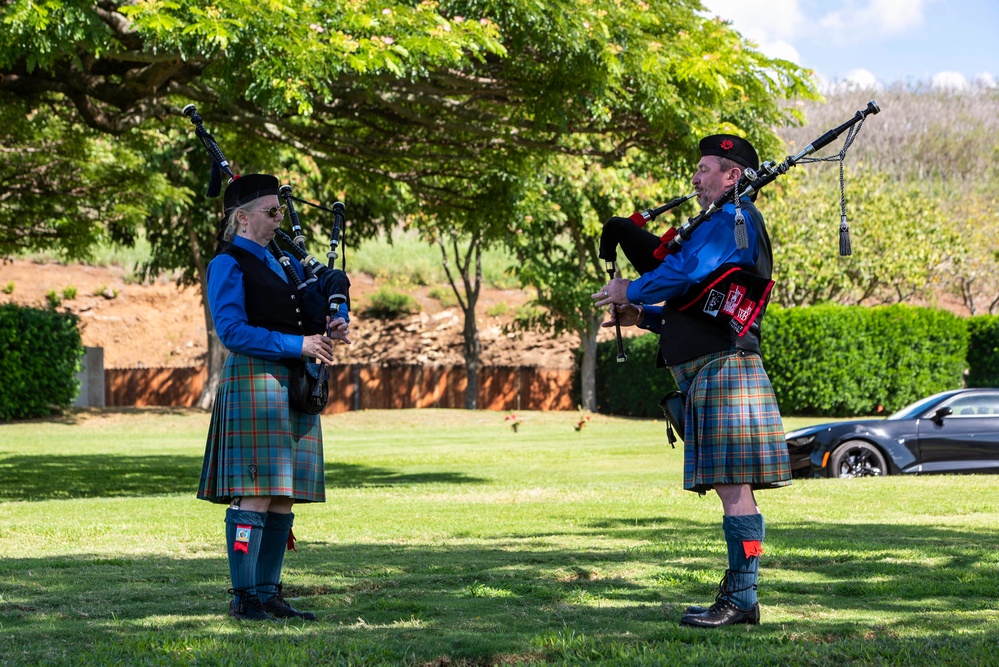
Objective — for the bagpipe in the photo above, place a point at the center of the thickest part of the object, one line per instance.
(324, 288)
(617, 229)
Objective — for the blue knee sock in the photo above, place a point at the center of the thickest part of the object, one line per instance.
(744, 535)
(272, 549)
(244, 531)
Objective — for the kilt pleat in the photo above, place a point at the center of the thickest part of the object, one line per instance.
(734, 433)
(257, 445)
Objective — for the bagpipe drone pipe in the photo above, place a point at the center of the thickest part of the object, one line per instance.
(646, 252)
(324, 290)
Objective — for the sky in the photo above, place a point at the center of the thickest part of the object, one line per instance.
(875, 43)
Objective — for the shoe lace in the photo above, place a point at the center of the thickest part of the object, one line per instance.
(725, 590)
(247, 600)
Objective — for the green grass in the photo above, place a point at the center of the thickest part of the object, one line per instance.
(448, 539)
(408, 260)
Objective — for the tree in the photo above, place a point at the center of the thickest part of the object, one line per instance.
(434, 101)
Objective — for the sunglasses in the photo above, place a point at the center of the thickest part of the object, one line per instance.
(273, 211)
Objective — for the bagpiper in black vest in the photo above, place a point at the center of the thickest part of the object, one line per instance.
(271, 303)
(722, 312)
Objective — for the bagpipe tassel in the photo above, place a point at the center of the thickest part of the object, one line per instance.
(845, 249)
(741, 236)
(214, 181)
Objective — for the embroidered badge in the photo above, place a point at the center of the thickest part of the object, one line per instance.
(714, 302)
(745, 311)
(242, 541)
(727, 145)
(736, 293)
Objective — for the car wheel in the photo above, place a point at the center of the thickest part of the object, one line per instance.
(855, 458)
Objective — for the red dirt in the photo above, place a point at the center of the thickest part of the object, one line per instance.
(159, 324)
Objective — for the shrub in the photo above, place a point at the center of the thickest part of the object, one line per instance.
(983, 351)
(632, 388)
(69, 293)
(9, 287)
(387, 304)
(40, 352)
(445, 295)
(822, 360)
(53, 298)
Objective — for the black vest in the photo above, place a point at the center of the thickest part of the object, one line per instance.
(271, 303)
(684, 337)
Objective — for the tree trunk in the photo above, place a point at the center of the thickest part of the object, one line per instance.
(216, 351)
(471, 278)
(588, 366)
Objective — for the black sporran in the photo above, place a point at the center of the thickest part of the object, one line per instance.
(673, 407)
(307, 387)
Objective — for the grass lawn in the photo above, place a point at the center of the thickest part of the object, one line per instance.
(448, 539)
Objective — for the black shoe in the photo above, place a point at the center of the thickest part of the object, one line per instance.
(722, 612)
(278, 607)
(247, 607)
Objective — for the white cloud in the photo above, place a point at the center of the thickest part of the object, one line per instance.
(856, 79)
(952, 81)
(772, 27)
(875, 18)
(986, 80)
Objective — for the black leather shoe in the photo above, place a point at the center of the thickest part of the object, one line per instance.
(278, 607)
(723, 612)
(247, 607)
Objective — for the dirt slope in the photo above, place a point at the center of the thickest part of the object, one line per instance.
(161, 325)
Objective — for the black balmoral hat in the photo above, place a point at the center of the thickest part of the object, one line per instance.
(246, 188)
(732, 147)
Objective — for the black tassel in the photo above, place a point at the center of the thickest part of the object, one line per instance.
(845, 249)
(215, 181)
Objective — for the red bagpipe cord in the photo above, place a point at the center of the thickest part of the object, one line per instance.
(663, 249)
(752, 548)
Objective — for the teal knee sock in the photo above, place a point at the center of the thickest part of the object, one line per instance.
(244, 531)
(272, 549)
(744, 535)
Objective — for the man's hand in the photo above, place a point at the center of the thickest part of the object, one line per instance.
(628, 315)
(615, 292)
(338, 330)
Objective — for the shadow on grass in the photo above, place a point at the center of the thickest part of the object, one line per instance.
(529, 597)
(60, 477)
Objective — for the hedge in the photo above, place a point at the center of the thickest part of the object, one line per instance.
(40, 353)
(822, 360)
(983, 351)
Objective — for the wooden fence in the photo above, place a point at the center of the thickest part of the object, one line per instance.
(368, 387)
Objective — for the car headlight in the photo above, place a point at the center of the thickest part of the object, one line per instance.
(801, 441)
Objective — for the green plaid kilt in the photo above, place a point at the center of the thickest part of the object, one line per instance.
(257, 445)
(733, 430)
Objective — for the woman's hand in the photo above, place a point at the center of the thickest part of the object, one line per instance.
(318, 346)
(339, 328)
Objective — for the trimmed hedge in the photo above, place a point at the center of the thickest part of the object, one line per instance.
(983, 351)
(632, 388)
(844, 361)
(823, 360)
(40, 353)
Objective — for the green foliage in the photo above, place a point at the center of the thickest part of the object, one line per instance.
(900, 236)
(68, 293)
(822, 360)
(8, 288)
(983, 351)
(40, 352)
(387, 303)
(444, 295)
(53, 299)
(632, 388)
(847, 361)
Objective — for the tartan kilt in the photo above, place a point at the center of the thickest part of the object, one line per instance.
(257, 445)
(733, 430)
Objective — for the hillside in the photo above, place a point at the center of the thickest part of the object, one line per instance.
(159, 324)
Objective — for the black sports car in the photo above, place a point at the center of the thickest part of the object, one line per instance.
(953, 431)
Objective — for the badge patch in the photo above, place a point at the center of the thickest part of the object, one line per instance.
(242, 541)
(713, 303)
(736, 293)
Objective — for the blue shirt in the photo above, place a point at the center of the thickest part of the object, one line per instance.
(711, 245)
(227, 302)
